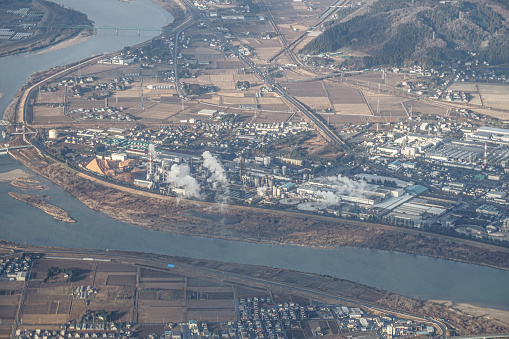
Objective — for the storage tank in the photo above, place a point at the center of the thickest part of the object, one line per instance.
(53, 134)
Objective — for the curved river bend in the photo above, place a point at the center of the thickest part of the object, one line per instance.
(406, 274)
(107, 15)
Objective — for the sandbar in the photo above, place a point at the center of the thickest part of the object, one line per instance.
(66, 43)
(476, 311)
(14, 174)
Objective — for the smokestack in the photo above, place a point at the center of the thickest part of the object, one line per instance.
(241, 172)
(485, 154)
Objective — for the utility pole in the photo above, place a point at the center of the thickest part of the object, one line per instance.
(141, 89)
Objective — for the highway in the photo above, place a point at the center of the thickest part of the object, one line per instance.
(324, 129)
(281, 36)
(323, 17)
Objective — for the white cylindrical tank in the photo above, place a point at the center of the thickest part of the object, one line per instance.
(53, 134)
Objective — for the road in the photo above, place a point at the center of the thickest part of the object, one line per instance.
(280, 35)
(23, 297)
(287, 47)
(160, 262)
(324, 129)
(21, 117)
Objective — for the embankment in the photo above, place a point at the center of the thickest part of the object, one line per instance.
(163, 213)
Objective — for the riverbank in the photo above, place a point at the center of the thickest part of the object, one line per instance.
(292, 284)
(38, 201)
(13, 175)
(163, 213)
(476, 311)
(21, 179)
(55, 16)
(27, 184)
(68, 43)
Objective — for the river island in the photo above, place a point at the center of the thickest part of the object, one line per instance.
(164, 138)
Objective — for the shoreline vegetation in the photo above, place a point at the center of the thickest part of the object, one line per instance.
(197, 218)
(465, 318)
(55, 15)
(187, 217)
(38, 201)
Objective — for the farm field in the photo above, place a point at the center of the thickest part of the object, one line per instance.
(495, 96)
(130, 292)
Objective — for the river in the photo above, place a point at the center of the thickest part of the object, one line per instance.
(128, 17)
(406, 274)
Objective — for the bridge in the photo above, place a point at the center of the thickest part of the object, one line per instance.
(8, 148)
(91, 27)
(23, 133)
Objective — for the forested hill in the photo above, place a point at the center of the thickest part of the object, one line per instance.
(424, 32)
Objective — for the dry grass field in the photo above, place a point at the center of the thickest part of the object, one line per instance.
(346, 100)
(306, 89)
(44, 115)
(371, 77)
(385, 105)
(270, 117)
(273, 104)
(463, 86)
(316, 102)
(340, 94)
(265, 49)
(10, 296)
(50, 302)
(352, 109)
(223, 77)
(493, 113)
(495, 96)
(425, 108)
(231, 63)
(476, 99)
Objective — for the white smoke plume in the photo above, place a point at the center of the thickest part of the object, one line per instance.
(261, 191)
(329, 198)
(179, 176)
(152, 151)
(347, 186)
(338, 186)
(214, 166)
(218, 179)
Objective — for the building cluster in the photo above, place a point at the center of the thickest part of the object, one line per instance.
(405, 328)
(78, 330)
(15, 269)
(83, 292)
(102, 113)
(227, 136)
(23, 24)
(416, 174)
(117, 60)
(262, 318)
(466, 165)
(479, 148)
(241, 11)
